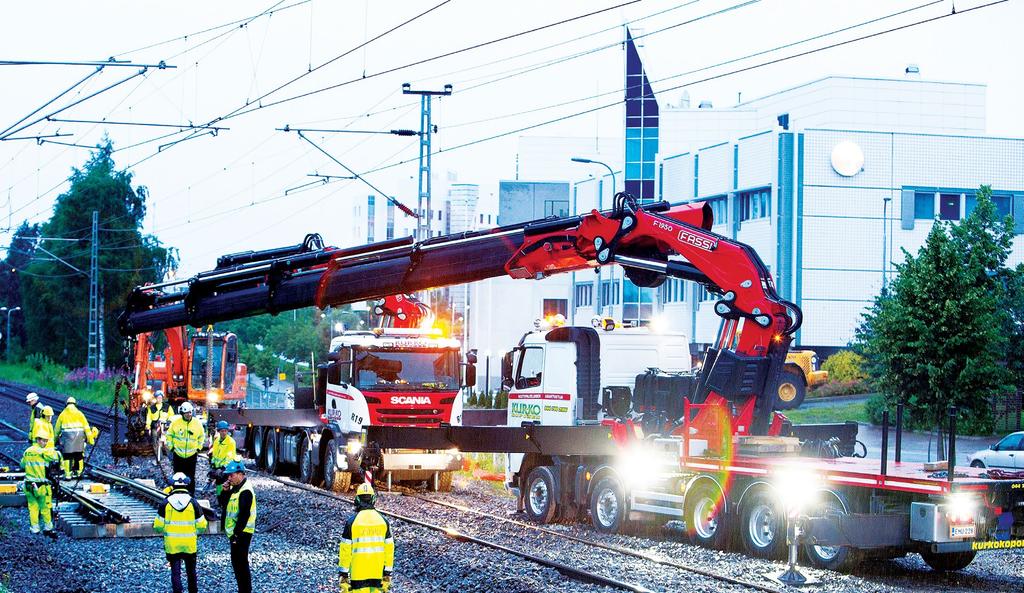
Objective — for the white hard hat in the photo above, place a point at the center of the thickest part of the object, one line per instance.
(180, 479)
(32, 398)
(186, 408)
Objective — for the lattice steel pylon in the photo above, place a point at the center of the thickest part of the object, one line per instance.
(423, 206)
(93, 361)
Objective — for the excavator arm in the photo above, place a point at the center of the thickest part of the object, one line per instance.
(652, 242)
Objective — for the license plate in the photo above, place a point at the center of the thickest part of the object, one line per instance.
(961, 531)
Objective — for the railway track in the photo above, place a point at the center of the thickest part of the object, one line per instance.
(96, 416)
(574, 572)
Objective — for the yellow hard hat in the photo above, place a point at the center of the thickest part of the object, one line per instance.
(72, 400)
(47, 411)
(364, 489)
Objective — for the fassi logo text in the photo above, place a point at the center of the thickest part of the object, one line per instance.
(698, 241)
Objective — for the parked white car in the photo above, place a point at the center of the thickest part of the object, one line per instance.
(1007, 453)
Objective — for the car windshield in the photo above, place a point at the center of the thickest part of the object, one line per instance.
(384, 370)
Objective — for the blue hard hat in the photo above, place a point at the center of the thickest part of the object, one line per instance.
(222, 425)
(234, 466)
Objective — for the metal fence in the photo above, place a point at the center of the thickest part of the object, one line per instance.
(267, 398)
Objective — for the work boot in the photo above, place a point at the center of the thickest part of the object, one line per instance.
(34, 529)
(51, 534)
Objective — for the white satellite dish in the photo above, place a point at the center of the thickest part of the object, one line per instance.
(847, 158)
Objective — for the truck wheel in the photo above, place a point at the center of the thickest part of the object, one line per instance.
(705, 521)
(763, 527)
(838, 558)
(257, 447)
(444, 482)
(307, 465)
(335, 480)
(270, 451)
(792, 388)
(608, 506)
(540, 494)
(948, 562)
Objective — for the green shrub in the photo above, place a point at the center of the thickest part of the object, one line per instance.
(835, 388)
(37, 361)
(845, 365)
(471, 400)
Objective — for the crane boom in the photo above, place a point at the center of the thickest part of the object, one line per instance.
(651, 242)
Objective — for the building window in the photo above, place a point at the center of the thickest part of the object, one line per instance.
(949, 206)
(371, 211)
(637, 303)
(755, 204)
(704, 295)
(673, 291)
(391, 221)
(557, 208)
(719, 208)
(554, 307)
(1002, 202)
(924, 205)
(609, 293)
(584, 294)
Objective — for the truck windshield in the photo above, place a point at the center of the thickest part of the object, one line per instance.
(385, 370)
(200, 358)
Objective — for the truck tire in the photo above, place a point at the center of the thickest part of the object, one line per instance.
(705, 522)
(257, 446)
(444, 482)
(307, 462)
(608, 512)
(539, 494)
(792, 388)
(837, 558)
(335, 480)
(763, 526)
(948, 562)
(270, 452)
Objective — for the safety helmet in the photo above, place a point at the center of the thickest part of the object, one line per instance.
(222, 425)
(233, 467)
(180, 479)
(47, 411)
(365, 493)
(159, 394)
(72, 400)
(186, 408)
(32, 398)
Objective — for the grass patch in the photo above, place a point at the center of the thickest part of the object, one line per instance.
(856, 411)
(53, 377)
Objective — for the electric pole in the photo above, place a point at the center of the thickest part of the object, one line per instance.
(93, 361)
(426, 129)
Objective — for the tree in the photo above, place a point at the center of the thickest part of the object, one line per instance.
(55, 296)
(19, 254)
(936, 337)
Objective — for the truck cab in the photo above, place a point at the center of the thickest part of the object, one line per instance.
(570, 376)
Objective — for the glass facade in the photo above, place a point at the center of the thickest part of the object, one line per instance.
(641, 127)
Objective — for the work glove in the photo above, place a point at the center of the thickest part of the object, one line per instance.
(344, 584)
(385, 584)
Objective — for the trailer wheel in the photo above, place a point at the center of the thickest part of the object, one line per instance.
(948, 562)
(792, 388)
(763, 527)
(608, 506)
(444, 482)
(257, 447)
(705, 521)
(270, 451)
(838, 558)
(307, 465)
(540, 494)
(335, 479)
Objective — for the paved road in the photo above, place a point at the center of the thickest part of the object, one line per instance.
(916, 445)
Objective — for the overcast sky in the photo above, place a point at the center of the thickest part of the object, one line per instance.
(212, 195)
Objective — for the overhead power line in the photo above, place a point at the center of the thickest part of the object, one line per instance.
(109, 63)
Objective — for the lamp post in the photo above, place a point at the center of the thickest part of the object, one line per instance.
(7, 332)
(487, 372)
(577, 159)
(600, 273)
(885, 224)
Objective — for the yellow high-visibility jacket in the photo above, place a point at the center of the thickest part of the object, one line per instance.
(180, 519)
(223, 451)
(367, 551)
(35, 460)
(157, 414)
(241, 510)
(43, 427)
(72, 430)
(185, 438)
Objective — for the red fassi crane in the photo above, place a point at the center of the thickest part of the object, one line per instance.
(652, 242)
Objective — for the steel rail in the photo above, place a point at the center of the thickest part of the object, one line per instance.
(94, 416)
(566, 570)
(658, 559)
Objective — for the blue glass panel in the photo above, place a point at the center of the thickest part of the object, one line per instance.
(632, 150)
(648, 171)
(634, 122)
(635, 132)
(633, 187)
(650, 148)
(632, 170)
(647, 189)
(650, 132)
(633, 107)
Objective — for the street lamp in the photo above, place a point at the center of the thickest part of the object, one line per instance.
(885, 224)
(487, 371)
(577, 159)
(7, 333)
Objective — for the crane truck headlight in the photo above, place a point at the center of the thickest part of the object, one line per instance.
(353, 447)
(212, 395)
(796, 489)
(961, 508)
(638, 466)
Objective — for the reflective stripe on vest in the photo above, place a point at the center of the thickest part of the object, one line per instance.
(231, 514)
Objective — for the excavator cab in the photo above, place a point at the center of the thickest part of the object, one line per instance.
(215, 375)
